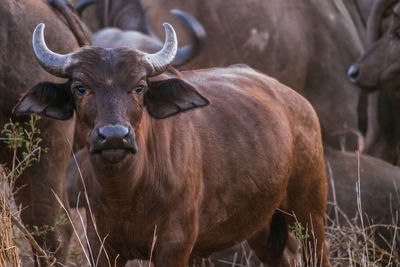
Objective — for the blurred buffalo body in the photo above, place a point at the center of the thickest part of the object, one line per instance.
(19, 70)
(307, 45)
(377, 69)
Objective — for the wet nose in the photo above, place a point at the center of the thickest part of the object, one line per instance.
(113, 142)
(353, 73)
(113, 133)
(113, 137)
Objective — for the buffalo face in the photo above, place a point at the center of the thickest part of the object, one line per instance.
(379, 67)
(110, 91)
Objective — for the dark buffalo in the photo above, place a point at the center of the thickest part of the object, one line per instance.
(377, 69)
(188, 178)
(19, 70)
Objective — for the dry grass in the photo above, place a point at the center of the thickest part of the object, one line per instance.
(9, 252)
(356, 246)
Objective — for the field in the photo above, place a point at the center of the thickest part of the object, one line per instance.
(350, 244)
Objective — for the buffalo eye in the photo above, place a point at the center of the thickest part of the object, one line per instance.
(80, 90)
(139, 89)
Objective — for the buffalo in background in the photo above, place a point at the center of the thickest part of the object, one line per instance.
(291, 40)
(20, 70)
(125, 24)
(378, 69)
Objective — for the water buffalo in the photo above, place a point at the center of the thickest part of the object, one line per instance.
(307, 45)
(19, 70)
(377, 69)
(197, 181)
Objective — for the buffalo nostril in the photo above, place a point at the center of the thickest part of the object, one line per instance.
(127, 136)
(353, 73)
(101, 134)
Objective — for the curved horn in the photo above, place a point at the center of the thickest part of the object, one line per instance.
(52, 62)
(82, 5)
(197, 35)
(161, 60)
(375, 19)
(396, 9)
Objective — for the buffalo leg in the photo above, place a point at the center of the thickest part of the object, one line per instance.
(272, 245)
(289, 256)
(175, 241)
(309, 210)
(101, 252)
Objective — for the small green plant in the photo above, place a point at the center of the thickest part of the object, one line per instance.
(38, 231)
(75, 256)
(24, 142)
(298, 230)
(62, 220)
(44, 229)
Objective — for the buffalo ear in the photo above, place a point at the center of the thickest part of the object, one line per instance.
(170, 97)
(49, 100)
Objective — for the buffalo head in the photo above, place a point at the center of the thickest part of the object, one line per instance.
(109, 89)
(379, 66)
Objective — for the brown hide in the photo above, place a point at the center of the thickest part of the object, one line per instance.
(378, 69)
(19, 71)
(201, 180)
(307, 45)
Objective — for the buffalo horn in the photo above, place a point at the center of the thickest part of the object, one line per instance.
(161, 60)
(197, 35)
(375, 19)
(396, 9)
(52, 62)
